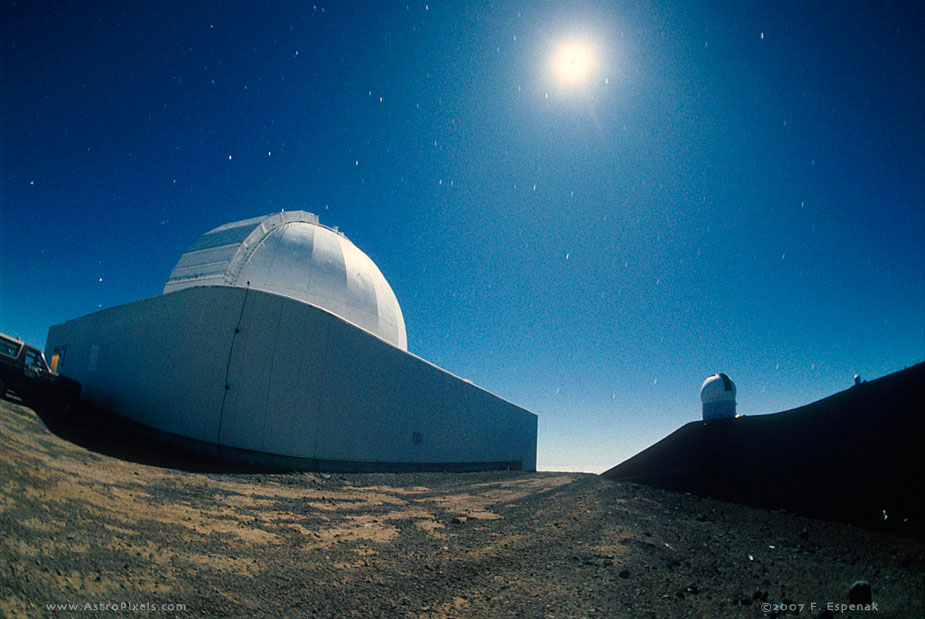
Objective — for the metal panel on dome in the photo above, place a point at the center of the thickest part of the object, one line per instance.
(328, 273)
(218, 238)
(201, 266)
(277, 263)
(362, 294)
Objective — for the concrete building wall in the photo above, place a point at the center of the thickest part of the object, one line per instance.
(302, 382)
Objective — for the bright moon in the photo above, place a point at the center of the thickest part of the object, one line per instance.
(573, 63)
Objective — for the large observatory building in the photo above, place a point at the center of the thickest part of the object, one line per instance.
(277, 341)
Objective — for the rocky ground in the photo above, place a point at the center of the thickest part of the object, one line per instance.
(147, 532)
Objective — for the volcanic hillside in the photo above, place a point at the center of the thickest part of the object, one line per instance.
(152, 530)
(852, 457)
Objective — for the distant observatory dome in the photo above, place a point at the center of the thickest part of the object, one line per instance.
(292, 254)
(718, 395)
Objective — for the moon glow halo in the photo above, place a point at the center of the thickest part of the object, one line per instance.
(573, 63)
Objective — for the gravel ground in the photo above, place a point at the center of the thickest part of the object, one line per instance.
(84, 528)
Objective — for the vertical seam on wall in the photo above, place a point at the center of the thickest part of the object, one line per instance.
(234, 337)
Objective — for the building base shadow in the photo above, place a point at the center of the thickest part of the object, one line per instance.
(105, 433)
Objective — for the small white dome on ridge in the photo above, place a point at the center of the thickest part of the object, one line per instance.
(717, 387)
(718, 395)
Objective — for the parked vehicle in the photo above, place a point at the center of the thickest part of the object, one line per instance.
(24, 372)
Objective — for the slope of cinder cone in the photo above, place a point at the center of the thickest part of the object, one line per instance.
(854, 456)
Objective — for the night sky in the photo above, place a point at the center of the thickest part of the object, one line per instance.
(729, 187)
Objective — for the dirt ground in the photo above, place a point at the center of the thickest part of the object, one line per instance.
(83, 533)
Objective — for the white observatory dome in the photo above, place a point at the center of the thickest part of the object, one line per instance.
(292, 254)
(718, 395)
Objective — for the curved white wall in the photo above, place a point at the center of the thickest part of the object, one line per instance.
(303, 383)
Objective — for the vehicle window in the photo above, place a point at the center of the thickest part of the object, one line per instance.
(34, 359)
(9, 347)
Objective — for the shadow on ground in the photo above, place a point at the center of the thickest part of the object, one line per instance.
(108, 434)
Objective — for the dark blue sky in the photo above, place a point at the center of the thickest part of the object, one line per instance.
(737, 187)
